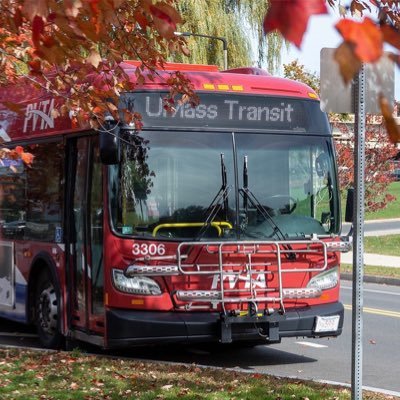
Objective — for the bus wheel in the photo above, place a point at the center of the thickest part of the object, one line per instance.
(47, 313)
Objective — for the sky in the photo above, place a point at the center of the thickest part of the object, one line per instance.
(321, 33)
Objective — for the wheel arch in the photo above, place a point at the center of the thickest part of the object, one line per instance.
(42, 262)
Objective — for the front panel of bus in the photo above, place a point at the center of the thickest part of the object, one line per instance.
(220, 223)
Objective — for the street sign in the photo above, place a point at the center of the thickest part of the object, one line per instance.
(338, 98)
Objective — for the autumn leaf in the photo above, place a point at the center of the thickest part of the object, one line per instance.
(35, 66)
(349, 64)
(48, 41)
(17, 18)
(14, 107)
(290, 17)
(19, 150)
(94, 58)
(27, 158)
(33, 8)
(391, 126)
(141, 20)
(365, 36)
(19, 153)
(165, 18)
(37, 29)
(395, 58)
(391, 36)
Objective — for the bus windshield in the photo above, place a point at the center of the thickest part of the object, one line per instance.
(186, 186)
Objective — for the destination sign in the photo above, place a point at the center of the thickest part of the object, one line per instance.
(227, 111)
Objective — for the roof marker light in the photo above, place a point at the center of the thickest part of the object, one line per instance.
(209, 86)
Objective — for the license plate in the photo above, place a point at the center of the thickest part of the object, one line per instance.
(327, 324)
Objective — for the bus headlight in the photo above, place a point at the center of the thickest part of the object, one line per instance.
(326, 280)
(135, 285)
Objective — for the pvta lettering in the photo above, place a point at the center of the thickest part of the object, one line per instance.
(38, 116)
(257, 280)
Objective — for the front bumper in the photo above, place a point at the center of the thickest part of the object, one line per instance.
(131, 327)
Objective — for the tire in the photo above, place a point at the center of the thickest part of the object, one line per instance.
(47, 312)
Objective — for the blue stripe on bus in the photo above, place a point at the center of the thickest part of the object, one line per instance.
(19, 312)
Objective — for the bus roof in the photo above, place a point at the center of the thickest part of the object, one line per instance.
(37, 118)
(247, 80)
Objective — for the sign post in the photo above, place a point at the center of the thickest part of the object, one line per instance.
(360, 98)
(358, 234)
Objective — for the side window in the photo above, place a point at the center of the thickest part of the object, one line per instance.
(45, 188)
(31, 196)
(13, 198)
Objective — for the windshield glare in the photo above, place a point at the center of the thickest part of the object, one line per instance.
(181, 186)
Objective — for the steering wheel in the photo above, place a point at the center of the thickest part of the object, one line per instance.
(283, 203)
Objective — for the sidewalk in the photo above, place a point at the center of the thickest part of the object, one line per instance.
(376, 228)
(375, 260)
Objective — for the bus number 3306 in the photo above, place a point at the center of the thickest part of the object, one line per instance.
(144, 249)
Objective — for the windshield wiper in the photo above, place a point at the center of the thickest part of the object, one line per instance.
(249, 196)
(219, 202)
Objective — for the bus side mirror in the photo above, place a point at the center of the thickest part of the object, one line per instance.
(349, 205)
(109, 142)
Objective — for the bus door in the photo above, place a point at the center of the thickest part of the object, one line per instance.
(85, 236)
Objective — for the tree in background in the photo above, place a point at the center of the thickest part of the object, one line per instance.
(239, 22)
(73, 39)
(363, 40)
(296, 71)
(378, 153)
(76, 38)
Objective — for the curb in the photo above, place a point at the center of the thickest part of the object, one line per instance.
(383, 280)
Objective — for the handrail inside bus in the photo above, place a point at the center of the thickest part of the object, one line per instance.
(215, 224)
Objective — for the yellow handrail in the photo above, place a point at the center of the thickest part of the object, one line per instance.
(215, 224)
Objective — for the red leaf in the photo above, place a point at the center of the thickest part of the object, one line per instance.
(48, 41)
(141, 20)
(395, 58)
(165, 18)
(19, 150)
(18, 18)
(391, 36)
(37, 29)
(27, 158)
(35, 66)
(391, 126)
(290, 17)
(365, 36)
(13, 107)
(32, 8)
(348, 62)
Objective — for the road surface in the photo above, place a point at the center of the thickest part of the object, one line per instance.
(321, 359)
(377, 227)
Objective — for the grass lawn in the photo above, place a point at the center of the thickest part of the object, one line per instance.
(392, 210)
(388, 245)
(33, 375)
(388, 272)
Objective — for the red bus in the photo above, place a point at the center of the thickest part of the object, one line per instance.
(214, 223)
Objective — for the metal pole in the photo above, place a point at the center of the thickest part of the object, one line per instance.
(222, 39)
(225, 56)
(358, 238)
